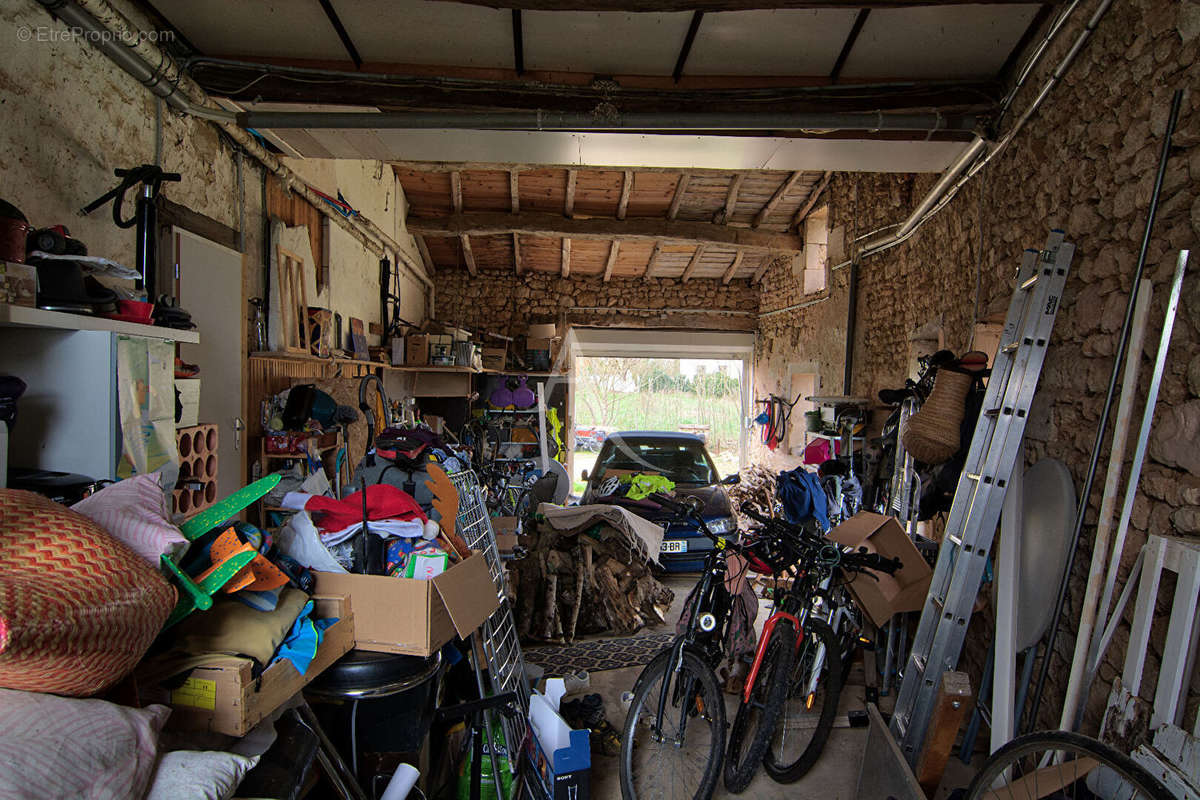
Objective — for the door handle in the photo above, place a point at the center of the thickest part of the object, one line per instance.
(239, 425)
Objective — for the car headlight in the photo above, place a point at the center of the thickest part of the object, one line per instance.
(723, 525)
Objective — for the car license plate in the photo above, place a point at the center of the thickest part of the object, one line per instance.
(674, 546)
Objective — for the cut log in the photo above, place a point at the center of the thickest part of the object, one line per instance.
(549, 609)
(580, 582)
(622, 618)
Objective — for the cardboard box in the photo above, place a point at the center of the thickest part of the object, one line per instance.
(561, 756)
(416, 617)
(505, 529)
(398, 351)
(495, 358)
(416, 350)
(542, 332)
(224, 697)
(18, 284)
(891, 594)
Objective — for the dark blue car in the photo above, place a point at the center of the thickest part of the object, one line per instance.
(681, 458)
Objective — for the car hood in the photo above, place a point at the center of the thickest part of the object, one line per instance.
(716, 503)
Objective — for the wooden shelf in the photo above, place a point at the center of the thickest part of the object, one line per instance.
(26, 317)
(432, 368)
(283, 356)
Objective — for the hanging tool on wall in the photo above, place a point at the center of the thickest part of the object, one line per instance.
(151, 178)
(774, 420)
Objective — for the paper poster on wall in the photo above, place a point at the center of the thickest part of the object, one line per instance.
(146, 400)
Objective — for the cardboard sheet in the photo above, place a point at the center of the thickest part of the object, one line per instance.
(577, 518)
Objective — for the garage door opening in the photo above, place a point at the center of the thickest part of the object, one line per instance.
(686, 395)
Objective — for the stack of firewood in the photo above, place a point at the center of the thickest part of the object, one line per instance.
(756, 487)
(581, 583)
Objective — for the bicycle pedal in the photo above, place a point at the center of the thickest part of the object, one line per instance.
(866, 643)
(858, 718)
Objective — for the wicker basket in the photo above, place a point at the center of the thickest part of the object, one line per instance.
(933, 434)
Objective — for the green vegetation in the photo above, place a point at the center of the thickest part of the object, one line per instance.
(651, 394)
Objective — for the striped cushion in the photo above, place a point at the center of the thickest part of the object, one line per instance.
(87, 749)
(78, 609)
(135, 512)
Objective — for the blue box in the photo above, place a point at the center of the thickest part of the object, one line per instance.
(564, 773)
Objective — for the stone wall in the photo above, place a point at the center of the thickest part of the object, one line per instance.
(1084, 163)
(506, 303)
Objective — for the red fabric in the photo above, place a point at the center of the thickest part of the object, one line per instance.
(383, 502)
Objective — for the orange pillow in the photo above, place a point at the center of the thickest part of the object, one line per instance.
(78, 609)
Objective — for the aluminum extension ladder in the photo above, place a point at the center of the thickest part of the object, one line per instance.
(995, 448)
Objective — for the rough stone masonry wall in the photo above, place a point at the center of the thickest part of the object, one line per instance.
(507, 303)
(1086, 164)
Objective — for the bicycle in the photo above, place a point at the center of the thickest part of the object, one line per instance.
(1065, 765)
(673, 738)
(799, 665)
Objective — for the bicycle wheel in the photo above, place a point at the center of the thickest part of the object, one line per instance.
(756, 719)
(1063, 766)
(807, 715)
(678, 757)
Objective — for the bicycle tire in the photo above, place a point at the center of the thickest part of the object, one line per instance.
(757, 719)
(645, 700)
(796, 765)
(1010, 755)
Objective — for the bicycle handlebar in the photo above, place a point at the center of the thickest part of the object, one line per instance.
(874, 561)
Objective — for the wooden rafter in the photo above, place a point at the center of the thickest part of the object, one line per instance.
(566, 257)
(626, 187)
(517, 252)
(733, 268)
(425, 257)
(569, 204)
(487, 223)
(648, 272)
(723, 216)
(718, 5)
(859, 21)
(612, 259)
(468, 254)
(680, 191)
(691, 267)
(811, 201)
(766, 210)
(514, 189)
(456, 191)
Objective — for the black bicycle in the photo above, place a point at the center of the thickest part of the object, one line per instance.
(674, 735)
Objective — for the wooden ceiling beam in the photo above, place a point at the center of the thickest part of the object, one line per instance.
(691, 267)
(517, 252)
(468, 254)
(566, 257)
(490, 223)
(514, 189)
(456, 191)
(680, 191)
(613, 249)
(648, 272)
(859, 20)
(425, 257)
(766, 210)
(733, 268)
(626, 187)
(811, 201)
(723, 216)
(569, 203)
(666, 6)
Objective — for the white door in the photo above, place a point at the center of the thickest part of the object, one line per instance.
(210, 289)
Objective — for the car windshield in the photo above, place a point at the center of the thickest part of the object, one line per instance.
(679, 460)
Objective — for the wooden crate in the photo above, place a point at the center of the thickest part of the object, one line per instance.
(224, 697)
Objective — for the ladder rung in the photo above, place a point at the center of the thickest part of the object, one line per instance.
(974, 476)
(1030, 281)
(1010, 348)
(956, 540)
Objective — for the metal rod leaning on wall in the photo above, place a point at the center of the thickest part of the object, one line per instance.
(1076, 688)
(1102, 425)
(1098, 646)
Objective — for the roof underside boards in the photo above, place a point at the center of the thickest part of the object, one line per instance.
(543, 192)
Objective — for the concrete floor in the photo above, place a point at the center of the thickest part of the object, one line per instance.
(835, 777)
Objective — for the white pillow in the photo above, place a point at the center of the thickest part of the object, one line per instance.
(54, 746)
(135, 512)
(199, 775)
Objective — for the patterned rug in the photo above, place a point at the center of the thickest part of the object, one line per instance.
(597, 655)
